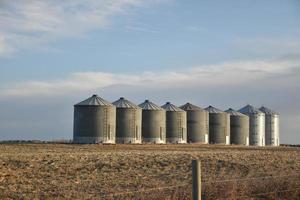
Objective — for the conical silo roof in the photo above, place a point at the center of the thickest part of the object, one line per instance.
(94, 100)
(234, 112)
(189, 106)
(124, 103)
(268, 111)
(212, 109)
(248, 109)
(170, 107)
(148, 105)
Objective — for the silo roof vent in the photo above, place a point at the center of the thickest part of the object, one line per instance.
(268, 111)
(124, 103)
(94, 100)
(170, 107)
(212, 109)
(249, 109)
(189, 106)
(148, 105)
(234, 112)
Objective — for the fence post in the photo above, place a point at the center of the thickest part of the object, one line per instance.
(196, 173)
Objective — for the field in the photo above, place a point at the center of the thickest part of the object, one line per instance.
(65, 171)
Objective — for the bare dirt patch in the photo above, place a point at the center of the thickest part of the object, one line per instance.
(65, 171)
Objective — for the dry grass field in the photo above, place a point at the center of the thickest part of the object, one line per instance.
(65, 171)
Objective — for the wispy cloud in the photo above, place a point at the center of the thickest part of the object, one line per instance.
(272, 45)
(141, 29)
(43, 109)
(230, 73)
(26, 24)
(196, 28)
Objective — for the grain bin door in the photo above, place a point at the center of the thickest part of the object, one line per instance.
(109, 131)
(136, 133)
(227, 140)
(105, 127)
(206, 138)
(247, 141)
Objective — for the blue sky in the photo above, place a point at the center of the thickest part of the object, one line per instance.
(225, 53)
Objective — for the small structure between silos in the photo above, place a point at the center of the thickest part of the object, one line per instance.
(153, 123)
(239, 127)
(219, 126)
(271, 126)
(176, 124)
(94, 121)
(197, 123)
(256, 125)
(128, 122)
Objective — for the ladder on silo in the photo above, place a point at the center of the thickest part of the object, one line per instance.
(180, 131)
(105, 135)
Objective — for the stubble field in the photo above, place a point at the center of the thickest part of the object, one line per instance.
(65, 171)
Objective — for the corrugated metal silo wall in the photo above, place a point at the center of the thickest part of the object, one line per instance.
(154, 126)
(239, 129)
(94, 124)
(197, 125)
(176, 125)
(219, 128)
(272, 129)
(129, 125)
(257, 129)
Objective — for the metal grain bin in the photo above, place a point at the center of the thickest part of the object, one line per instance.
(256, 125)
(271, 126)
(128, 122)
(239, 127)
(94, 121)
(197, 123)
(153, 123)
(176, 124)
(219, 126)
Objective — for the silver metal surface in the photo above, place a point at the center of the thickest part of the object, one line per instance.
(94, 121)
(256, 125)
(176, 124)
(219, 126)
(197, 123)
(271, 126)
(128, 122)
(153, 123)
(239, 127)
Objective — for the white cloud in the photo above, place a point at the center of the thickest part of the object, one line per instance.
(230, 73)
(196, 28)
(275, 46)
(26, 24)
(141, 29)
(43, 109)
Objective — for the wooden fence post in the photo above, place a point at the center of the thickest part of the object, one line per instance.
(196, 167)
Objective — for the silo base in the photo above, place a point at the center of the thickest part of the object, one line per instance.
(201, 139)
(128, 141)
(176, 140)
(196, 142)
(154, 140)
(92, 140)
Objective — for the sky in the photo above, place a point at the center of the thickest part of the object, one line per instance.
(54, 54)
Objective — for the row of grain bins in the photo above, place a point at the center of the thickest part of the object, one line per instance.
(98, 121)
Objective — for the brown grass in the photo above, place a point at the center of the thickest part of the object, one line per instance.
(64, 171)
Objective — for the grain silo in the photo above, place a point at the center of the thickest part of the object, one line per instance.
(256, 125)
(94, 121)
(153, 123)
(128, 122)
(271, 126)
(197, 123)
(175, 124)
(219, 126)
(239, 127)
